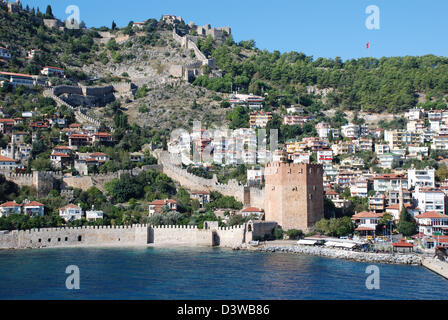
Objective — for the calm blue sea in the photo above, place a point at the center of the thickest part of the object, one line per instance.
(204, 273)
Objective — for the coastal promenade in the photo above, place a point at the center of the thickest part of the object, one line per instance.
(436, 266)
(368, 257)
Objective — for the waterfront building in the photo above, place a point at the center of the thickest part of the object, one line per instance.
(366, 222)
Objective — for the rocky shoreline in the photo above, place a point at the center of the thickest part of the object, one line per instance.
(368, 257)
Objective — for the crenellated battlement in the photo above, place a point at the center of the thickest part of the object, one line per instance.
(136, 234)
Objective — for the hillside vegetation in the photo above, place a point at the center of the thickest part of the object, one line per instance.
(388, 84)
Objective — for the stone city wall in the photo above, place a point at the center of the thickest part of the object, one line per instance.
(137, 234)
(77, 236)
(194, 183)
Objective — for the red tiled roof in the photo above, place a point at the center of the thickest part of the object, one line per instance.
(9, 204)
(397, 206)
(364, 229)
(431, 215)
(366, 214)
(78, 135)
(6, 159)
(252, 209)
(162, 202)
(103, 134)
(34, 204)
(16, 74)
(390, 176)
(403, 244)
(430, 189)
(97, 154)
(158, 202)
(53, 68)
(6, 120)
(200, 192)
(71, 205)
(62, 155)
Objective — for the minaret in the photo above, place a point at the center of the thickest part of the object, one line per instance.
(13, 146)
(400, 197)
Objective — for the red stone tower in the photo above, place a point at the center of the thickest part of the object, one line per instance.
(294, 195)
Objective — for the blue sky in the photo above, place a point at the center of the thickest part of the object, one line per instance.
(321, 28)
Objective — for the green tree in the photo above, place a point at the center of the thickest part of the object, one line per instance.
(407, 225)
(49, 13)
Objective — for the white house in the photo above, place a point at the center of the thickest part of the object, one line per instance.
(388, 160)
(389, 182)
(9, 207)
(252, 211)
(350, 131)
(7, 163)
(366, 222)
(202, 196)
(417, 152)
(71, 212)
(432, 222)
(422, 178)
(34, 208)
(94, 214)
(325, 156)
(359, 187)
(414, 114)
(53, 72)
(255, 176)
(430, 199)
(4, 53)
(16, 79)
(157, 206)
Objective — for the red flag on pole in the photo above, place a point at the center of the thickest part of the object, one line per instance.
(368, 45)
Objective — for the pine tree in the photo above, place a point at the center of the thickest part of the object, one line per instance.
(114, 25)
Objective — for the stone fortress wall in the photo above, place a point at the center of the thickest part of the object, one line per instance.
(45, 181)
(137, 234)
(91, 96)
(189, 71)
(249, 196)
